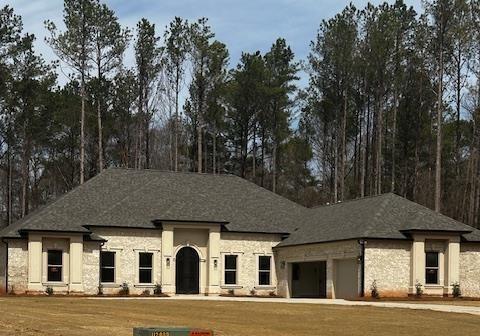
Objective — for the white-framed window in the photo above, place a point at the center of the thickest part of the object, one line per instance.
(230, 263)
(54, 265)
(107, 267)
(432, 268)
(145, 267)
(264, 270)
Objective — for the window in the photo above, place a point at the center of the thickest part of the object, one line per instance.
(231, 270)
(264, 270)
(431, 268)
(54, 265)
(107, 267)
(145, 267)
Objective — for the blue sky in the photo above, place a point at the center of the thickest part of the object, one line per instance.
(247, 25)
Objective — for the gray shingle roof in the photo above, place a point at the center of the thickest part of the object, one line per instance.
(385, 216)
(135, 198)
(138, 198)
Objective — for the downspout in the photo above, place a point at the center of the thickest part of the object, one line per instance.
(6, 265)
(362, 243)
(100, 267)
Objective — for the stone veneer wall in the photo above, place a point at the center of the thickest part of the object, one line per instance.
(91, 267)
(388, 262)
(470, 269)
(3, 264)
(126, 243)
(17, 276)
(248, 246)
(328, 251)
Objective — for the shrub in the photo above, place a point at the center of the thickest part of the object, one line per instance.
(146, 292)
(456, 292)
(374, 290)
(158, 289)
(253, 292)
(272, 293)
(418, 289)
(124, 289)
(49, 290)
(100, 289)
(231, 292)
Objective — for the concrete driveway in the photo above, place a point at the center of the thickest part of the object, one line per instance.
(404, 305)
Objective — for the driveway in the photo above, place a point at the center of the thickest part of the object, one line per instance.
(420, 306)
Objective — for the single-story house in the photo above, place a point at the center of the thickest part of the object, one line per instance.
(192, 233)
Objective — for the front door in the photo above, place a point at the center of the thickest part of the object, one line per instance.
(187, 275)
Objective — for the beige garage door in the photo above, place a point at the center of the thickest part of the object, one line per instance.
(346, 278)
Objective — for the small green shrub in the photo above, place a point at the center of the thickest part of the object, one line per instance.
(158, 289)
(418, 289)
(49, 290)
(124, 289)
(146, 292)
(374, 290)
(456, 291)
(253, 292)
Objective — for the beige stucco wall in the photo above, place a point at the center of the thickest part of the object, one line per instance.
(127, 243)
(329, 252)
(17, 265)
(248, 246)
(388, 263)
(470, 269)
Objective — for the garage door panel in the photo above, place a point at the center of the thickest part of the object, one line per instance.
(346, 278)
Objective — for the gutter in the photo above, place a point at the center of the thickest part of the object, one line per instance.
(362, 243)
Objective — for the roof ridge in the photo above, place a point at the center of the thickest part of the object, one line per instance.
(150, 170)
(353, 200)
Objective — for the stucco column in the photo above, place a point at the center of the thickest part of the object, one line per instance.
(35, 263)
(214, 261)
(452, 264)
(330, 279)
(168, 286)
(76, 264)
(418, 263)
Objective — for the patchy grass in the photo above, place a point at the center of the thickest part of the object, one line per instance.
(82, 316)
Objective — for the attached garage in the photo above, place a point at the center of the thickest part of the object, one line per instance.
(346, 278)
(309, 279)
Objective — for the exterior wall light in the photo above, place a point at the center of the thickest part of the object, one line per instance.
(168, 262)
(215, 263)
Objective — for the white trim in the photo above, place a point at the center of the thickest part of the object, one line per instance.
(257, 270)
(137, 267)
(222, 269)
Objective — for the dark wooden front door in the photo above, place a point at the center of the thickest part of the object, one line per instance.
(187, 275)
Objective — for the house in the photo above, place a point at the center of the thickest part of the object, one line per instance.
(210, 234)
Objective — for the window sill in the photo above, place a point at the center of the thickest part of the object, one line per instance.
(265, 287)
(55, 284)
(433, 286)
(231, 286)
(109, 285)
(151, 285)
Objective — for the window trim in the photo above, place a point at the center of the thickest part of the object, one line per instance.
(152, 276)
(239, 267)
(270, 271)
(114, 282)
(61, 266)
(437, 268)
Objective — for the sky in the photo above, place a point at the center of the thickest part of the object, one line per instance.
(243, 25)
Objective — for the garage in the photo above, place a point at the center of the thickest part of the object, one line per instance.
(309, 279)
(346, 278)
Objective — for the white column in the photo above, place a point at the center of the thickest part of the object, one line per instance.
(168, 286)
(330, 279)
(35, 263)
(452, 272)
(214, 261)
(76, 264)
(418, 263)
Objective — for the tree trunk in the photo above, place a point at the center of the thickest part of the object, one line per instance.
(438, 161)
(274, 167)
(199, 147)
(177, 86)
(343, 147)
(394, 139)
(82, 131)
(99, 121)
(214, 153)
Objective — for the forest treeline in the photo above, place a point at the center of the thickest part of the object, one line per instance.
(392, 104)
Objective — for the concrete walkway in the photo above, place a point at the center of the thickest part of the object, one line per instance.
(405, 305)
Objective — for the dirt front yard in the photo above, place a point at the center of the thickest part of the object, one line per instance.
(82, 316)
